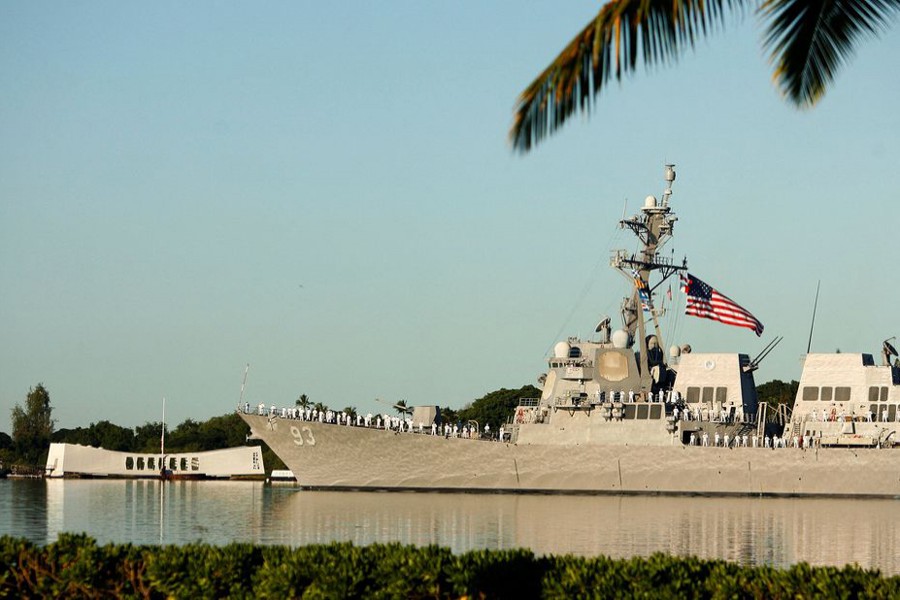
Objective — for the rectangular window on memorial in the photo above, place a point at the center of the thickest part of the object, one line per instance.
(151, 463)
(195, 464)
(842, 394)
(693, 395)
(129, 463)
(184, 464)
(140, 463)
(826, 394)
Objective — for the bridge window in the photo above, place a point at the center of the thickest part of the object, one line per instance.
(826, 394)
(574, 352)
(873, 394)
(693, 395)
(708, 395)
(810, 393)
(642, 411)
(655, 411)
(629, 411)
(721, 394)
(883, 394)
(842, 394)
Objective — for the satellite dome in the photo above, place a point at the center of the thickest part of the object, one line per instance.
(620, 338)
(674, 351)
(650, 202)
(561, 350)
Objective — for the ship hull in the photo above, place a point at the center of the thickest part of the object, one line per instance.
(327, 456)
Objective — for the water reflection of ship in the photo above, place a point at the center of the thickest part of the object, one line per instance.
(754, 531)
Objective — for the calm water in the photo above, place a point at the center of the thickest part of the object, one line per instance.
(751, 531)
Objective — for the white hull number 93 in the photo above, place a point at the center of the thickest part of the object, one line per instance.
(301, 439)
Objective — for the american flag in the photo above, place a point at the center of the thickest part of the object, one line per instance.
(704, 301)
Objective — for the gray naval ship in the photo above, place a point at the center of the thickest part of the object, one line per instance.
(616, 417)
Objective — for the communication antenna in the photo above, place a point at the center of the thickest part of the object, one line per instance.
(243, 383)
(813, 324)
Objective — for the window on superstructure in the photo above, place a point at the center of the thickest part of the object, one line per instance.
(842, 394)
(642, 411)
(574, 352)
(629, 411)
(873, 394)
(708, 395)
(655, 411)
(721, 394)
(810, 393)
(826, 394)
(693, 395)
(892, 412)
(884, 391)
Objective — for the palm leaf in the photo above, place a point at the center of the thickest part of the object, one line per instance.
(609, 46)
(810, 39)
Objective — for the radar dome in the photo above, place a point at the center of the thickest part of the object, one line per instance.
(620, 338)
(650, 202)
(561, 350)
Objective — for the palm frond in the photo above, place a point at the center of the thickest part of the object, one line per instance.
(658, 30)
(810, 40)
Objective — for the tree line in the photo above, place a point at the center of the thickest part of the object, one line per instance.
(33, 428)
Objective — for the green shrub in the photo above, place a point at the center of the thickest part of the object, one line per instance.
(76, 567)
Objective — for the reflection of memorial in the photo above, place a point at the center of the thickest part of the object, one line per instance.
(760, 531)
(153, 511)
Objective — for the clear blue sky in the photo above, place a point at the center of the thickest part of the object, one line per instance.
(325, 191)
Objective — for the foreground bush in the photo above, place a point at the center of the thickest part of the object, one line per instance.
(76, 567)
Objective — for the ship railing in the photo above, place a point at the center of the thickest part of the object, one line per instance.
(529, 402)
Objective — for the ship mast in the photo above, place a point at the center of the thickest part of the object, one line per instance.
(653, 227)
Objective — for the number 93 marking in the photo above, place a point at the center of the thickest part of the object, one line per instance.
(299, 439)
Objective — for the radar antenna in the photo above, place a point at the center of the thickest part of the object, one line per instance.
(888, 350)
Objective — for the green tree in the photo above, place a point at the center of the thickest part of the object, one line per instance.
(303, 401)
(497, 407)
(147, 437)
(807, 40)
(777, 392)
(33, 426)
(401, 408)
